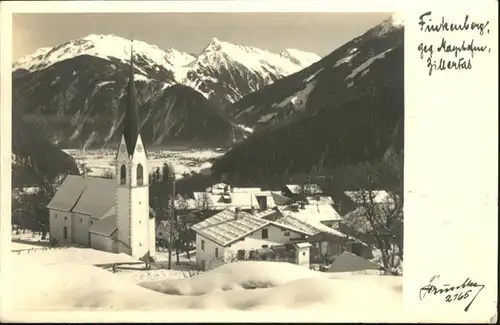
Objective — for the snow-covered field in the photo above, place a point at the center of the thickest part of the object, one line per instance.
(66, 280)
(183, 161)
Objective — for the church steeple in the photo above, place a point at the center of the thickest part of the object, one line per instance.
(131, 119)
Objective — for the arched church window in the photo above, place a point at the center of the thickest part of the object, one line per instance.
(123, 175)
(140, 175)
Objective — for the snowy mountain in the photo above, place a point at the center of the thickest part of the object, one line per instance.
(300, 58)
(148, 58)
(222, 71)
(79, 103)
(346, 108)
(82, 82)
(225, 72)
(333, 75)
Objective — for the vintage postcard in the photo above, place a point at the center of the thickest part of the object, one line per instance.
(248, 161)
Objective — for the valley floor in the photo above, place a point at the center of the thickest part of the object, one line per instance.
(183, 161)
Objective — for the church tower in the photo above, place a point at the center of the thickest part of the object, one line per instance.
(135, 224)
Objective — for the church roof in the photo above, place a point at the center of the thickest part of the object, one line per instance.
(93, 196)
(104, 227)
(131, 119)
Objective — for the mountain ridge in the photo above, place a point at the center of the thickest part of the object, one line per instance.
(345, 109)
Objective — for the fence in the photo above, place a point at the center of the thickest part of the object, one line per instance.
(29, 250)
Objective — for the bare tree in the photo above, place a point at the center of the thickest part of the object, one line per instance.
(204, 205)
(382, 223)
(186, 217)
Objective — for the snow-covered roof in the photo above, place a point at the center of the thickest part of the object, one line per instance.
(105, 226)
(229, 226)
(243, 200)
(280, 199)
(298, 225)
(313, 212)
(218, 188)
(302, 245)
(93, 196)
(269, 214)
(307, 188)
(315, 200)
(246, 189)
(313, 218)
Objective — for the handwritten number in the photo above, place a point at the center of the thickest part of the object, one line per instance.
(464, 295)
(460, 294)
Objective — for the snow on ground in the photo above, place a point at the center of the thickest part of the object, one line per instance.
(83, 256)
(299, 99)
(65, 279)
(245, 128)
(267, 117)
(346, 59)
(75, 285)
(235, 276)
(26, 239)
(366, 64)
(18, 246)
(183, 161)
(138, 276)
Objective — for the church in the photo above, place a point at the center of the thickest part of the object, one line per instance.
(111, 215)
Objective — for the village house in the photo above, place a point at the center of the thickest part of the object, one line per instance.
(112, 215)
(322, 224)
(237, 235)
(297, 191)
(222, 196)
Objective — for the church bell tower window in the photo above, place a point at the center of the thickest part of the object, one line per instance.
(140, 175)
(123, 175)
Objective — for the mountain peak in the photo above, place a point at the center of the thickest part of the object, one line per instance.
(214, 40)
(393, 23)
(214, 45)
(301, 58)
(98, 45)
(396, 19)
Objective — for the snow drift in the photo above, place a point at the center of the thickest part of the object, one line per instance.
(45, 284)
(235, 276)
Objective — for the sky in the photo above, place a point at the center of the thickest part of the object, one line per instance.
(319, 33)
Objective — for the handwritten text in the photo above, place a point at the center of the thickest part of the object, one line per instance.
(451, 55)
(467, 291)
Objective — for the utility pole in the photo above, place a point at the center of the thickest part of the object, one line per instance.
(172, 218)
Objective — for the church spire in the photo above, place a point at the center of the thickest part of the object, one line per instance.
(131, 120)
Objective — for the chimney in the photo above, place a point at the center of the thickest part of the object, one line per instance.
(236, 213)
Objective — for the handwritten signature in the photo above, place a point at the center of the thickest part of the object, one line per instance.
(460, 292)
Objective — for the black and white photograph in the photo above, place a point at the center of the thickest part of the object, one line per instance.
(212, 161)
(207, 160)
